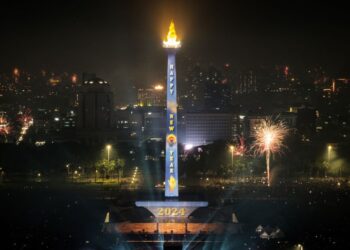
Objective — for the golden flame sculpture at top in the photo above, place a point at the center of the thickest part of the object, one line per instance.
(172, 41)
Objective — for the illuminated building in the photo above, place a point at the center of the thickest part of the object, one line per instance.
(205, 128)
(69, 120)
(55, 80)
(247, 83)
(154, 123)
(207, 90)
(217, 94)
(193, 97)
(151, 96)
(129, 123)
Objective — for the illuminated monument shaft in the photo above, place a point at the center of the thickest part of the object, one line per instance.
(173, 210)
(171, 161)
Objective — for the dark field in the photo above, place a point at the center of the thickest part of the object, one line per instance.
(67, 216)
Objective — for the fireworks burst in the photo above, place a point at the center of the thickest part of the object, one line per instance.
(26, 121)
(4, 126)
(269, 138)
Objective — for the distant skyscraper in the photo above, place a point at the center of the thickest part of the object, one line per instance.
(95, 110)
(247, 83)
(207, 90)
(154, 123)
(193, 97)
(306, 123)
(217, 93)
(206, 128)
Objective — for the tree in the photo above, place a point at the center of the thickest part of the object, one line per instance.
(106, 166)
(120, 166)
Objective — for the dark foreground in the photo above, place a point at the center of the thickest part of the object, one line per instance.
(67, 216)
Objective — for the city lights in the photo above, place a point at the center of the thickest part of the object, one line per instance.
(134, 176)
(4, 126)
(188, 146)
(159, 87)
(74, 78)
(26, 121)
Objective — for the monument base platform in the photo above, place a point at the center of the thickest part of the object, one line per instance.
(175, 210)
(183, 228)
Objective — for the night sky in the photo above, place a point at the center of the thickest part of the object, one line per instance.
(121, 40)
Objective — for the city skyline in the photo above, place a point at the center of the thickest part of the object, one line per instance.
(112, 137)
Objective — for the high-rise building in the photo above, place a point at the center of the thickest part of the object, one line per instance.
(206, 128)
(247, 83)
(129, 123)
(154, 123)
(207, 90)
(217, 95)
(306, 123)
(193, 97)
(95, 111)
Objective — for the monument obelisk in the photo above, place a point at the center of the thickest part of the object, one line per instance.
(171, 209)
(171, 44)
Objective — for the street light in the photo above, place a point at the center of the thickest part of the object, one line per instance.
(329, 152)
(232, 149)
(67, 166)
(108, 147)
(330, 148)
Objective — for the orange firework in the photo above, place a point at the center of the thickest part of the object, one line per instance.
(4, 126)
(269, 138)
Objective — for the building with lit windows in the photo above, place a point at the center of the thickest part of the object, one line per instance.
(151, 97)
(206, 128)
